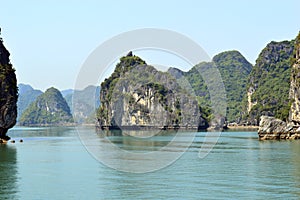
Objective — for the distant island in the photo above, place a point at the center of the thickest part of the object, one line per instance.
(50, 108)
(55, 108)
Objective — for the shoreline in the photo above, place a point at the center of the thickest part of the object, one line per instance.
(241, 127)
(235, 127)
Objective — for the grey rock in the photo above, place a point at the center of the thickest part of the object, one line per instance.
(271, 128)
(137, 96)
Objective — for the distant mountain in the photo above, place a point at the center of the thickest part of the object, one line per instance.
(23, 88)
(234, 70)
(86, 102)
(27, 95)
(49, 108)
(67, 92)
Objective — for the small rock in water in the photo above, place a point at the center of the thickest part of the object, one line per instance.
(12, 141)
(21, 140)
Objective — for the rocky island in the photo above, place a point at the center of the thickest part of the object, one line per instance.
(273, 128)
(49, 109)
(8, 93)
(137, 96)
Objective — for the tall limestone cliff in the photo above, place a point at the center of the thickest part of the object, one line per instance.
(272, 128)
(137, 96)
(294, 95)
(50, 108)
(269, 83)
(8, 93)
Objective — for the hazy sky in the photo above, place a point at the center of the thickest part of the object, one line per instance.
(50, 39)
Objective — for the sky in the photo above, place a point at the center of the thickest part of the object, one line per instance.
(50, 40)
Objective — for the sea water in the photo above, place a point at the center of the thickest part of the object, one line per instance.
(53, 163)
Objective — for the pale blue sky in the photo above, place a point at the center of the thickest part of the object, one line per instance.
(50, 39)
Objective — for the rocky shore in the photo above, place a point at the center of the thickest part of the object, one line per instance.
(271, 128)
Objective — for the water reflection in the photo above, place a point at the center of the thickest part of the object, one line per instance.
(19, 132)
(139, 140)
(8, 170)
(124, 152)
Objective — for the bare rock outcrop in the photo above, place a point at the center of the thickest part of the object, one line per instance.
(271, 128)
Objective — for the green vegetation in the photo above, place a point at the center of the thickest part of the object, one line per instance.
(133, 80)
(8, 83)
(297, 46)
(234, 70)
(8, 93)
(270, 78)
(49, 108)
(126, 64)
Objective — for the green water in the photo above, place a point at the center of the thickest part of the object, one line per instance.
(52, 163)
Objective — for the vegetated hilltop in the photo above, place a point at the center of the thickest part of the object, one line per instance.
(272, 128)
(269, 83)
(48, 109)
(234, 70)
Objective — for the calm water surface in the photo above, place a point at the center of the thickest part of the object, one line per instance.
(52, 163)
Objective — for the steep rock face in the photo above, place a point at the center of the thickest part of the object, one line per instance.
(268, 89)
(272, 128)
(294, 95)
(8, 93)
(138, 96)
(49, 108)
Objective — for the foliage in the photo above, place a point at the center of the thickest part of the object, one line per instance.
(49, 108)
(270, 78)
(133, 76)
(8, 89)
(234, 70)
